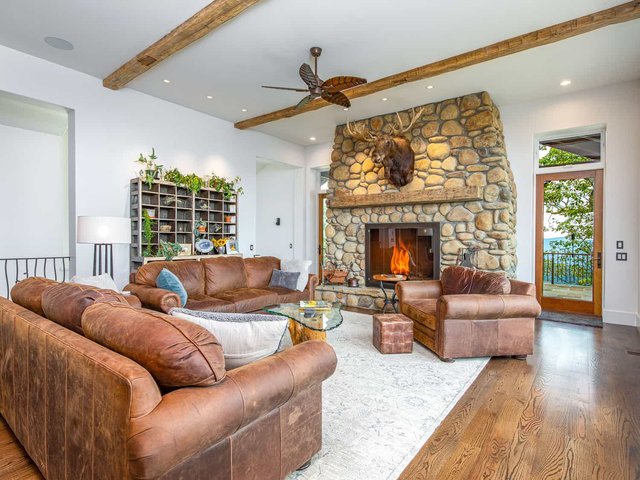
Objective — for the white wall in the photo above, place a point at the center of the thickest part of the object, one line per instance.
(618, 107)
(112, 128)
(276, 197)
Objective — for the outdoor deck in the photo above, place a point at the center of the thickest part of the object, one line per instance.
(573, 292)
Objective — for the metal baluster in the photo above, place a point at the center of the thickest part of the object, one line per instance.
(55, 270)
(45, 267)
(64, 270)
(6, 276)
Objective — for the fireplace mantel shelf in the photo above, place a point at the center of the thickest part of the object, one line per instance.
(446, 195)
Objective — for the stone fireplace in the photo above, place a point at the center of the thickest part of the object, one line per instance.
(462, 186)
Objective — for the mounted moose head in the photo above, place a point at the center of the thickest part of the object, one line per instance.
(392, 150)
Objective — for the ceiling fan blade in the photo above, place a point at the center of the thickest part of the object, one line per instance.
(304, 101)
(310, 78)
(338, 98)
(337, 84)
(287, 88)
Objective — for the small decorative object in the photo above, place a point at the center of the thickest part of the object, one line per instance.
(232, 247)
(203, 205)
(353, 282)
(200, 228)
(228, 218)
(392, 150)
(165, 228)
(217, 227)
(151, 212)
(204, 245)
(335, 276)
(168, 250)
(151, 171)
(185, 249)
(220, 244)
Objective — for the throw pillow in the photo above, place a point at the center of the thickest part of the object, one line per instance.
(245, 338)
(169, 281)
(177, 353)
(301, 266)
(284, 279)
(99, 281)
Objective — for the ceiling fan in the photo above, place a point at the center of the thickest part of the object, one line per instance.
(330, 89)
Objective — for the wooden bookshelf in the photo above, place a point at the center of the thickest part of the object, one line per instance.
(175, 211)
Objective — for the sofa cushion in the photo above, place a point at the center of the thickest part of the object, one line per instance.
(259, 270)
(209, 304)
(461, 280)
(245, 338)
(177, 353)
(190, 273)
(99, 281)
(169, 281)
(224, 273)
(284, 295)
(282, 279)
(28, 293)
(301, 266)
(64, 303)
(249, 299)
(422, 311)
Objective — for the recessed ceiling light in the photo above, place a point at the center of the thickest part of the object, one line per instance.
(313, 139)
(244, 110)
(384, 99)
(209, 97)
(429, 87)
(564, 83)
(166, 81)
(59, 43)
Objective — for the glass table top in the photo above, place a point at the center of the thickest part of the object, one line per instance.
(313, 319)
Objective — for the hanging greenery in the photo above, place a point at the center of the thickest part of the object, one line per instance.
(147, 232)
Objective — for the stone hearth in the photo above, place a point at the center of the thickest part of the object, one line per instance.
(462, 179)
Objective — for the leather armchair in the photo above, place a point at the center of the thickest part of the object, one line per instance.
(471, 314)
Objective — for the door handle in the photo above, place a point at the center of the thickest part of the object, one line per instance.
(599, 260)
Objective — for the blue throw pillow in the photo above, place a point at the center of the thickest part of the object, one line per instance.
(168, 281)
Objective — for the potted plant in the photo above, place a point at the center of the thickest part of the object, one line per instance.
(200, 227)
(147, 233)
(229, 188)
(151, 171)
(168, 250)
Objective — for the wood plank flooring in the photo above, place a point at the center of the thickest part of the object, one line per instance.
(571, 411)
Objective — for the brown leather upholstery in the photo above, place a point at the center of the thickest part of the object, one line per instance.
(230, 284)
(64, 303)
(83, 411)
(28, 293)
(392, 333)
(178, 353)
(190, 273)
(259, 270)
(223, 274)
(475, 323)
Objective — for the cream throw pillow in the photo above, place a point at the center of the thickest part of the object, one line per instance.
(301, 266)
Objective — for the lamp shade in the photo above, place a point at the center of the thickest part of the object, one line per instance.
(98, 230)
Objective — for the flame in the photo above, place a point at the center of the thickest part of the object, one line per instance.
(400, 259)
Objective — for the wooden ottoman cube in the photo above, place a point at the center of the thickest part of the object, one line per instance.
(392, 333)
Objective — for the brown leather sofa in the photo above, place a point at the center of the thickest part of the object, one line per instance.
(217, 283)
(81, 410)
(469, 313)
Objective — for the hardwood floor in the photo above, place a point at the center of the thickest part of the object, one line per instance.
(571, 411)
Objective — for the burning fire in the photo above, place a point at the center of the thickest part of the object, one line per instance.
(400, 259)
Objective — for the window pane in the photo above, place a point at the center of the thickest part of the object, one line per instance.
(570, 151)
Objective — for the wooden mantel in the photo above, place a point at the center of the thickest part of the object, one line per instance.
(445, 195)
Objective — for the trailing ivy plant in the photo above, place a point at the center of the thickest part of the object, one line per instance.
(147, 233)
(151, 171)
(168, 250)
(228, 187)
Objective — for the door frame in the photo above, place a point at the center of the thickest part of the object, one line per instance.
(321, 199)
(568, 305)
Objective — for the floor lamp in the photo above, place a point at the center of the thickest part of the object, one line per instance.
(103, 232)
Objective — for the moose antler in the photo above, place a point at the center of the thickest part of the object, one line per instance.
(400, 128)
(358, 131)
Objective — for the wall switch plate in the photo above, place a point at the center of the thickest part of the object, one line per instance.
(621, 256)
(619, 244)
(291, 245)
(251, 247)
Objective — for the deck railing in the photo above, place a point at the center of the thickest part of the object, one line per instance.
(568, 268)
(19, 268)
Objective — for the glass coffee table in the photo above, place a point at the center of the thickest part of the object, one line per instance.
(312, 325)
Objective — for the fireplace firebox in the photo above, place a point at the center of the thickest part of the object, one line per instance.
(411, 249)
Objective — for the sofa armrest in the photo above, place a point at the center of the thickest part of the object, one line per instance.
(155, 298)
(191, 420)
(418, 289)
(522, 288)
(312, 283)
(478, 306)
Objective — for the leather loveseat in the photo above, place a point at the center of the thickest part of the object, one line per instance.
(470, 313)
(217, 283)
(82, 410)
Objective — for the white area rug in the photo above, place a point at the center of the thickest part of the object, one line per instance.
(378, 410)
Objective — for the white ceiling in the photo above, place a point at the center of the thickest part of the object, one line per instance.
(369, 38)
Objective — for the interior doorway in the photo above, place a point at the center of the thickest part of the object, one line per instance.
(569, 241)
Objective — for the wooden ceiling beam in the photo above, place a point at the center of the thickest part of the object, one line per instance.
(196, 27)
(555, 33)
